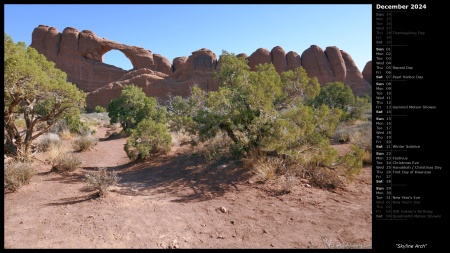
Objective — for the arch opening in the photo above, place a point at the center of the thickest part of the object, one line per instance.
(117, 58)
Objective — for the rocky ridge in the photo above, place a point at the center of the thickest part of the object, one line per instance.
(80, 55)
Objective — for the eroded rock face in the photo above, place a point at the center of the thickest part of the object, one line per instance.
(367, 72)
(334, 65)
(279, 59)
(260, 56)
(337, 63)
(242, 55)
(153, 83)
(144, 78)
(80, 55)
(354, 78)
(46, 40)
(201, 64)
(293, 60)
(316, 64)
(178, 62)
(88, 46)
(162, 64)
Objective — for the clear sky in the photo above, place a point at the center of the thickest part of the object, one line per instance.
(174, 30)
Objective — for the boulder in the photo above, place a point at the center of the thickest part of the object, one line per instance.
(279, 59)
(178, 62)
(162, 64)
(260, 56)
(293, 60)
(242, 55)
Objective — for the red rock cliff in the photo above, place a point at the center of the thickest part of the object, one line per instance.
(80, 55)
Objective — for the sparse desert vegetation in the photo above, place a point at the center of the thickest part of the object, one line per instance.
(102, 180)
(199, 178)
(263, 156)
(84, 142)
(17, 174)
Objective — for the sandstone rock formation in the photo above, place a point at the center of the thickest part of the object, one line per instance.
(195, 70)
(337, 63)
(178, 63)
(260, 56)
(334, 65)
(80, 55)
(316, 64)
(293, 60)
(279, 59)
(162, 64)
(354, 78)
(243, 55)
(367, 72)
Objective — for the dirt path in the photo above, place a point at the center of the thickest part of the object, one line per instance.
(174, 202)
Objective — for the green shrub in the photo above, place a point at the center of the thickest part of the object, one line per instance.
(285, 116)
(17, 174)
(359, 108)
(73, 121)
(351, 163)
(132, 107)
(101, 180)
(99, 109)
(149, 138)
(339, 95)
(69, 123)
(35, 90)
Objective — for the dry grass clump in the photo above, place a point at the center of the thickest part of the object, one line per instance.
(84, 142)
(288, 180)
(65, 134)
(17, 174)
(102, 180)
(49, 141)
(358, 133)
(215, 149)
(179, 139)
(325, 178)
(62, 129)
(54, 151)
(267, 167)
(95, 118)
(66, 161)
(363, 139)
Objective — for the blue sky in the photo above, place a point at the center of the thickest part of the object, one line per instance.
(174, 30)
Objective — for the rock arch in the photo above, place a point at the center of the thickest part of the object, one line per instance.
(80, 55)
(116, 53)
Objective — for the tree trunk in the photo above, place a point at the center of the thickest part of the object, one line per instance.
(229, 132)
(13, 139)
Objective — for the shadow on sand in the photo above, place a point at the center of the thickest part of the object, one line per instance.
(185, 177)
